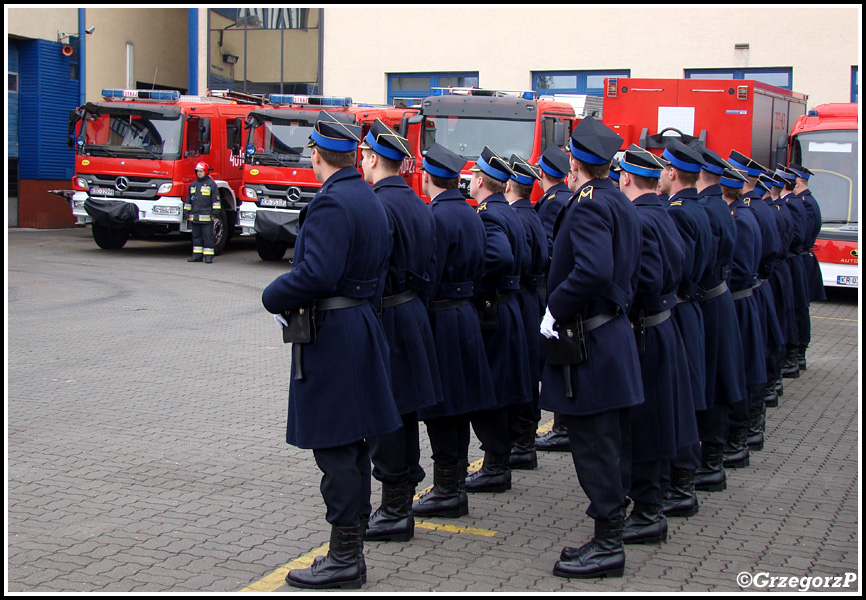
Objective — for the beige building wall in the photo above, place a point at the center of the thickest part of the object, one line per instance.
(159, 38)
(41, 23)
(363, 43)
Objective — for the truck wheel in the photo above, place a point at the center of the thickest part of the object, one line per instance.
(109, 239)
(220, 232)
(269, 250)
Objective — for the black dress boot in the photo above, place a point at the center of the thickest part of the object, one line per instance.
(341, 567)
(780, 388)
(791, 366)
(801, 358)
(710, 477)
(603, 556)
(195, 258)
(393, 521)
(555, 440)
(494, 476)
(681, 499)
(444, 499)
(645, 525)
(757, 421)
(461, 487)
(736, 449)
(770, 395)
(523, 456)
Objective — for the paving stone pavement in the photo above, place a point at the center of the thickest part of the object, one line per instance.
(146, 401)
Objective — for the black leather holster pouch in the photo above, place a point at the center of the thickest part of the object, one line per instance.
(570, 348)
(301, 328)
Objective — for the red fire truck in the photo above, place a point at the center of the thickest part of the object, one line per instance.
(464, 120)
(135, 158)
(751, 117)
(825, 141)
(277, 174)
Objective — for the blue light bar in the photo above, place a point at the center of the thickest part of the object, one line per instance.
(311, 100)
(170, 95)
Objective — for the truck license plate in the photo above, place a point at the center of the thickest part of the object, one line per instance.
(847, 280)
(275, 202)
(101, 191)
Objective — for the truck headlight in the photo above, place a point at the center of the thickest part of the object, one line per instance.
(166, 210)
(250, 193)
(81, 182)
(164, 188)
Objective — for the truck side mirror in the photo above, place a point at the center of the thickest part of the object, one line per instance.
(559, 134)
(74, 118)
(780, 153)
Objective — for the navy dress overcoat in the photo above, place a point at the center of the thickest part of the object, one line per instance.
(463, 370)
(506, 254)
(666, 420)
(414, 367)
(341, 250)
(696, 236)
(531, 299)
(594, 270)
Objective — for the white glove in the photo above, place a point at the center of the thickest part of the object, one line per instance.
(280, 321)
(547, 325)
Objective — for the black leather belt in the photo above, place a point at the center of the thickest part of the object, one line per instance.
(739, 295)
(598, 320)
(683, 299)
(338, 302)
(715, 292)
(656, 319)
(439, 305)
(505, 296)
(643, 323)
(398, 299)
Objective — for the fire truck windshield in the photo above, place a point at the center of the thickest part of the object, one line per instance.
(467, 136)
(281, 142)
(132, 134)
(833, 158)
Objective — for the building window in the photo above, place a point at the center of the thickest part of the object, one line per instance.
(855, 84)
(13, 82)
(574, 82)
(405, 87)
(780, 77)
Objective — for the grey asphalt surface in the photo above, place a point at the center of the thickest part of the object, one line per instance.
(145, 452)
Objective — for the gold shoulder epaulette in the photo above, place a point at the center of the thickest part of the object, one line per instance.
(676, 203)
(481, 207)
(585, 193)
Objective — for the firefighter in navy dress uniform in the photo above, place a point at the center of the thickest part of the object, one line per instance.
(743, 280)
(771, 330)
(799, 276)
(726, 373)
(814, 280)
(678, 183)
(591, 287)
(506, 254)
(340, 391)
(666, 420)
(200, 206)
(467, 386)
(554, 167)
(531, 298)
(414, 369)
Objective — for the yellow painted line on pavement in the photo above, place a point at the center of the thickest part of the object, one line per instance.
(836, 319)
(277, 579)
(455, 528)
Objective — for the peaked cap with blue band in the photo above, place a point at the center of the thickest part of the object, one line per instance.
(713, 163)
(439, 161)
(554, 162)
(682, 157)
(493, 165)
(738, 160)
(331, 134)
(783, 172)
(593, 142)
(733, 178)
(523, 172)
(383, 140)
(638, 161)
(800, 171)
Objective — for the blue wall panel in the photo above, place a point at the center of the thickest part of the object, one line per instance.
(12, 101)
(46, 95)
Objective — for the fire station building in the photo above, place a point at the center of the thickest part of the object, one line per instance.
(59, 58)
